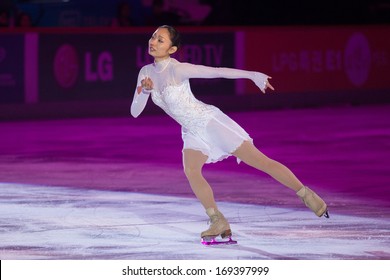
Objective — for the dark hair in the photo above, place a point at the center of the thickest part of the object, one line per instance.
(174, 35)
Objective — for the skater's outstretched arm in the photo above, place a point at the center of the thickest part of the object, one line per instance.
(185, 71)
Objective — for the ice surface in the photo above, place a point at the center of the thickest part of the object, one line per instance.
(46, 222)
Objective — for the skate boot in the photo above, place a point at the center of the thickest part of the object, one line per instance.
(314, 202)
(218, 226)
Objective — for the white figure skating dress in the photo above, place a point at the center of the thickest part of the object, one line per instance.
(205, 128)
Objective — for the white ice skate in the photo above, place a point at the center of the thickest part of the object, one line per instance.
(219, 226)
(314, 202)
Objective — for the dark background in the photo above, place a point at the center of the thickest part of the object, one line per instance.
(221, 12)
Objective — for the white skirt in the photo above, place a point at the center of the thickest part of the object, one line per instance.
(219, 139)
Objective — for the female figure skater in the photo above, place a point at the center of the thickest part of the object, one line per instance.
(208, 134)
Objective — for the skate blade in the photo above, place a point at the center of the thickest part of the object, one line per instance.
(326, 214)
(211, 241)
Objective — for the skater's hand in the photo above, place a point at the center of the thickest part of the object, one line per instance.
(146, 84)
(261, 81)
(267, 85)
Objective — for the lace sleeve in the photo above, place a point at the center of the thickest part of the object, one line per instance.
(141, 96)
(187, 71)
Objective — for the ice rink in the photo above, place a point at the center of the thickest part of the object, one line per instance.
(114, 189)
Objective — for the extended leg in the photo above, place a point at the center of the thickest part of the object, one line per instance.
(249, 154)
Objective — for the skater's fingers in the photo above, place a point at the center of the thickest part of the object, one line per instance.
(270, 86)
(147, 83)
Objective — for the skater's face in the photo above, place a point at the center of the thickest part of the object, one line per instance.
(160, 45)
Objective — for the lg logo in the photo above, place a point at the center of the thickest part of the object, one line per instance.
(67, 66)
(357, 59)
(102, 70)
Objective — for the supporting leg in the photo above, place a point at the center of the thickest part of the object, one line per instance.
(193, 162)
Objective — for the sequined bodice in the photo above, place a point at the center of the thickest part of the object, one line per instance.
(179, 103)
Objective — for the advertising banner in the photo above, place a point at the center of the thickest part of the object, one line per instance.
(11, 68)
(106, 66)
(320, 59)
